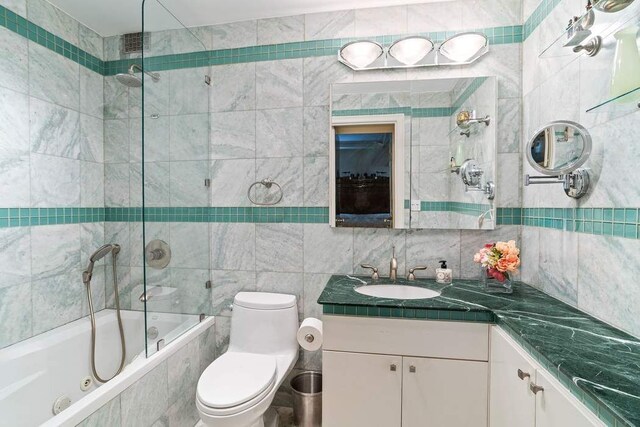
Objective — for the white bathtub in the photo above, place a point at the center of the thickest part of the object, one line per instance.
(37, 371)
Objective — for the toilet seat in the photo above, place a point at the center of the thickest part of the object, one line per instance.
(235, 381)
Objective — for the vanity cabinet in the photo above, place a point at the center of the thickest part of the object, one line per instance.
(513, 403)
(404, 373)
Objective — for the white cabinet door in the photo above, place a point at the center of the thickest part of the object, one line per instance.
(441, 392)
(361, 389)
(511, 403)
(555, 406)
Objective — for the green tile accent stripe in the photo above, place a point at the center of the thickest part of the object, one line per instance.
(407, 111)
(409, 313)
(603, 413)
(417, 112)
(24, 217)
(539, 14)
(301, 49)
(18, 24)
(473, 86)
(618, 222)
(305, 215)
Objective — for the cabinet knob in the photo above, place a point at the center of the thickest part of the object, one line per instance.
(522, 375)
(392, 367)
(412, 368)
(535, 388)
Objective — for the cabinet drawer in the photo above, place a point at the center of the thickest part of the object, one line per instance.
(423, 338)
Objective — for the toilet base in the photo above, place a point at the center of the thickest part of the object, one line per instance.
(271, 418)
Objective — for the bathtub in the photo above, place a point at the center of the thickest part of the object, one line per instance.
(36, 372)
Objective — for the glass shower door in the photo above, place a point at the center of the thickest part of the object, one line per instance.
(173, 169)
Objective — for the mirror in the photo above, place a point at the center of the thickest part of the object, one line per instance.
(559, 148)
(414, 180)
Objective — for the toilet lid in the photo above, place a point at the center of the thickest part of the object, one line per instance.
(235, 378)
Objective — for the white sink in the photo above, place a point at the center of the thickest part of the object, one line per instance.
(397, 291)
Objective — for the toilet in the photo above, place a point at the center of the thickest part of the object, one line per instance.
(237, 388)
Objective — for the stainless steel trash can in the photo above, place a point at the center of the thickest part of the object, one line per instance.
(307, 399)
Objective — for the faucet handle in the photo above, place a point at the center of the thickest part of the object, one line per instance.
(374, 271)
(412, 276)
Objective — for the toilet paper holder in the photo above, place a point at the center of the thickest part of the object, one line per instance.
(309, 338)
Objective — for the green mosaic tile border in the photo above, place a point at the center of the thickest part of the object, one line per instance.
(473, 86)
(539, 14)
(407, 111)
(304, 215)
(302, 49)
(602, 412)
(24, 217)
(417, 112)
(618, 222)
(409, 313)
(20, 25)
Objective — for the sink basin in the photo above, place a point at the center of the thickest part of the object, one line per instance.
(397, 292)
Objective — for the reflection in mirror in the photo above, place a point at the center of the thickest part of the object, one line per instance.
(363, 166)
(557, 151)
(559, 148)
(447, 122)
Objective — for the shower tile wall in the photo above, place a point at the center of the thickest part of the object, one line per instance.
(50, 156)
(596, 273)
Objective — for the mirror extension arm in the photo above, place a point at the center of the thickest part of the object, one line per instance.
(575, 184)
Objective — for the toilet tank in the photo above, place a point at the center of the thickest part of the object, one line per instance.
(264, 322)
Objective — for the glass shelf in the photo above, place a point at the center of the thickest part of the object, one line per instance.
(628, 101)
(473, 127)
(604, 25)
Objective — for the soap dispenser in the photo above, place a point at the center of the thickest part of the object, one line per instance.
(444, 274)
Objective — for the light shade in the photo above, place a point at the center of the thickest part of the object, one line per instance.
(361, 53)
(464, 46)
(411, 50)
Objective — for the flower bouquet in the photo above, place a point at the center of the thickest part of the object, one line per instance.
(498, 261)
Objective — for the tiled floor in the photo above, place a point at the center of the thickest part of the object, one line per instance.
(286, 417)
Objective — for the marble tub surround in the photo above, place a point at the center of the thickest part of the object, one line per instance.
(596, 361)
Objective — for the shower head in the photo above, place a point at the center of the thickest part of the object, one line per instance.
(100, 253)
(130, 79)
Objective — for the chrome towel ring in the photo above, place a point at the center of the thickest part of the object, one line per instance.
(267, 183)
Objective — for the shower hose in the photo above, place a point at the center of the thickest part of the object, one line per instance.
(93, 325)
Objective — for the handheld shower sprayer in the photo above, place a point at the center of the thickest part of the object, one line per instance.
(100, 253)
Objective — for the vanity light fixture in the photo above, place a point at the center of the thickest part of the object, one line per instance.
(411, 50)
(361, 53)
(463, 47)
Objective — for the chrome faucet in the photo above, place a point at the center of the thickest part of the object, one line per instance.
(393, 266)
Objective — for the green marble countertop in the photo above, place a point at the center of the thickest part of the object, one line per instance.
(597, 362)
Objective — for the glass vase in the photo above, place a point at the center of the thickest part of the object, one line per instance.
(493, 285)
(625, 76)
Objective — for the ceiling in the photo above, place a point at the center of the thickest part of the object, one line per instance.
(114, 17)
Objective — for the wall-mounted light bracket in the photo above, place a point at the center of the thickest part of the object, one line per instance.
(575, 184)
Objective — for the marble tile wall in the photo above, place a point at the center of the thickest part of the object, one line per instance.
(591, 272)
(51, 156)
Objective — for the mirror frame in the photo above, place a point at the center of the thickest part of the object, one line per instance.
(586, 152)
